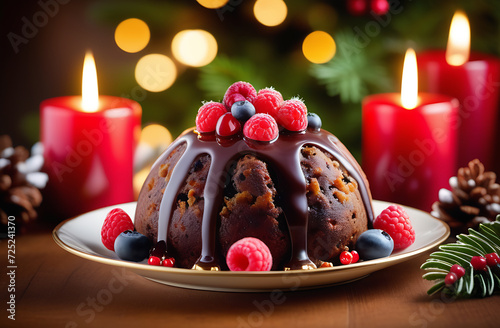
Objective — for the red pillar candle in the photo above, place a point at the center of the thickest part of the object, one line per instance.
(88, 155)
(474, 80)
(409, 154)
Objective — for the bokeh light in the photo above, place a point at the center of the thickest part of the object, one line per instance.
(132, 35)
(155, 72)
(139, 179)
(270, 12)
(156, 135)
(154, 140)
(319, 47)
(194, 47)
(212, 4)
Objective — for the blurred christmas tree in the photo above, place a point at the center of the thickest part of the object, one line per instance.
(368, 59)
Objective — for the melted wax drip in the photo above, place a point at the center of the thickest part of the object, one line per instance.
(284, 156)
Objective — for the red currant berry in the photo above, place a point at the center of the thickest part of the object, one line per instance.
(380, 7)
(492, 259)
(154, 260)
(458, 270)
(355, 257)
(227, 125)
(450, 279)
(478, 263)
(346, 257)
(357, 7)
(168, 262)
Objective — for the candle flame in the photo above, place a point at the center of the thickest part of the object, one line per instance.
(90, 93)
(409, 84)
(458, 49)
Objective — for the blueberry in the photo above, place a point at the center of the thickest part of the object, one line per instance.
(313, 121)
(132, 246)
(242, 110)
(373, 244)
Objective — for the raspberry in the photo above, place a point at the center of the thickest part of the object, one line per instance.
(292, 115)
(249, 254)
(239, 91)
(478, 263)
(208, 115)
(227, 125)
(450, 279)
(116, 222)
(458, 270)
(395, 221)
(346, 257)
(268, 101)
(261, 127)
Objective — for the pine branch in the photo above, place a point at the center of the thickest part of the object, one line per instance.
(215, 77)
(353, 72)
(474, 283)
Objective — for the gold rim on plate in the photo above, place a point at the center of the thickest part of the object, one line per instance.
(245, 281)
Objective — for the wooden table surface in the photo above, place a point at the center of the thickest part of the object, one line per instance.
(54, 288)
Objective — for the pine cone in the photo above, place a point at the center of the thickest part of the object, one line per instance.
(19, 184)
(474, 198)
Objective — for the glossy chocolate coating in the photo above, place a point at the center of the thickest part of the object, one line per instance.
(283, 156)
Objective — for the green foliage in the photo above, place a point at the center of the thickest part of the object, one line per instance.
(272, 56)
(216, 77)
(473, 283)
(354, 72)
(155, 13)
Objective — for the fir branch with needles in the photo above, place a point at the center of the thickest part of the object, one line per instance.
(354, 72)
(223, 71)
(475, 283)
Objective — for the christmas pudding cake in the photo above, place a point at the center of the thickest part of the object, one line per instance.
(255, 166)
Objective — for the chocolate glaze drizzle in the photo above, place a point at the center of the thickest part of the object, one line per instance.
(284, 156)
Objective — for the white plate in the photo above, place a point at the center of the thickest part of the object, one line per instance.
(81, 236)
